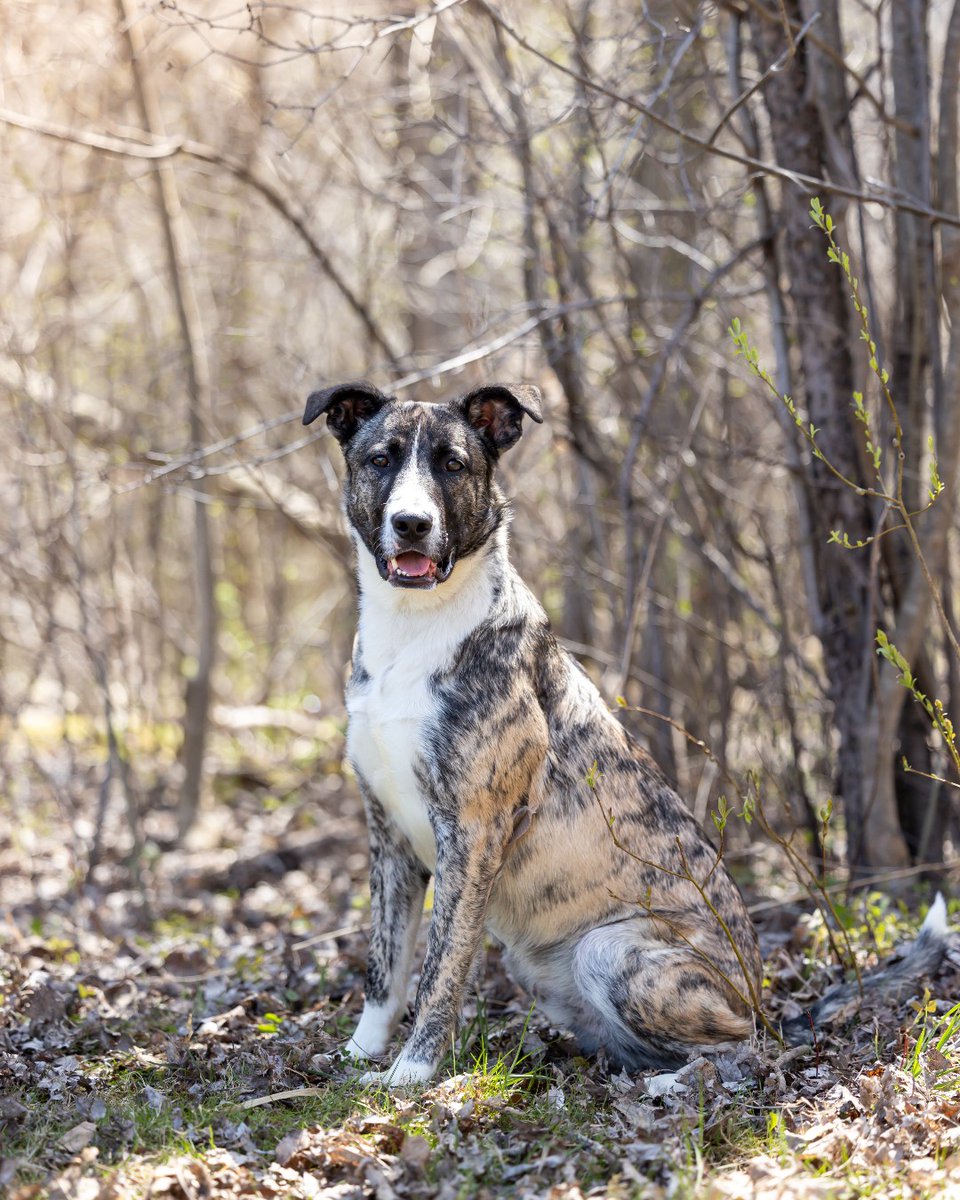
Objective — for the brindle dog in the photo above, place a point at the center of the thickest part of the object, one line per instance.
(488, 760)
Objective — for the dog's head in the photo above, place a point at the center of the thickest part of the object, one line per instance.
(420, 491)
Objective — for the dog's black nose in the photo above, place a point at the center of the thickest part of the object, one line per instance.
(412, 525)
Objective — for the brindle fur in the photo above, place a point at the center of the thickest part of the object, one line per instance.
(552, 828)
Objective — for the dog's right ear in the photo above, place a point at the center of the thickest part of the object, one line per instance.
(347, 406)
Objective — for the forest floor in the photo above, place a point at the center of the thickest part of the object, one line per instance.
(149, 1035)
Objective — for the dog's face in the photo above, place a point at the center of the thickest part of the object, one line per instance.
(420, 491)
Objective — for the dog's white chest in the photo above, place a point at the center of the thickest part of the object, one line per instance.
(406, 641)
(389, 714)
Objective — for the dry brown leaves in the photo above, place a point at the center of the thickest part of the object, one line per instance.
(113, 1017)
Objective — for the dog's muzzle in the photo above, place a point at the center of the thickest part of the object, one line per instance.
(410, 559)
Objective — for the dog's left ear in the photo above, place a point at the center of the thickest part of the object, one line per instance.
(496, 412)
(347, 406)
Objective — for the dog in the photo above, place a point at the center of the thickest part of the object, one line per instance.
(488, 760)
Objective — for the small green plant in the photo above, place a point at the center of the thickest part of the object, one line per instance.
(936, 1045)
(777, 1146)
(889, 489)
(270, 1023)
(695, 1145)
(494, 1073)
(933, 708)
(594, 775)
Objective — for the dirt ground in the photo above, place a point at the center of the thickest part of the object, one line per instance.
(177, 1035)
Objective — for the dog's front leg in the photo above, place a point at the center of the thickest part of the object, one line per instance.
(467, 863)
(398, 881)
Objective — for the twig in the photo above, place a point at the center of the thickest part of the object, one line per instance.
(329, 935)
(774, 67)
(199, 392)
(158, 149)
(854, 884)
(884, 198)
(447, 366)
(290, 1094)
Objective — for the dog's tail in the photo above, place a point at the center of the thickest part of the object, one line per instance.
(921, 957)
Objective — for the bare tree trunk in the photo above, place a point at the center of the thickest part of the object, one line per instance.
(921, 588)
(821, 315)
(946, 192)
(773, 287)
(182, 283)
(915, 351)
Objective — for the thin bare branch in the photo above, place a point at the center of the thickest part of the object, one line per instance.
(805, 182)
(157, 149)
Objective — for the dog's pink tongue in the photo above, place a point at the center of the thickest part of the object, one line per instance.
(413, 563)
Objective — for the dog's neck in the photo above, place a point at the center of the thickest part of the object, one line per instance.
(391, 618)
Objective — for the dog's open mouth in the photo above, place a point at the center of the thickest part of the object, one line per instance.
(414, 570)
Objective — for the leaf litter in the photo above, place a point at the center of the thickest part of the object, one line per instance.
(181, 1040)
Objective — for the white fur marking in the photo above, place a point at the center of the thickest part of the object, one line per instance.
(935, 922)
(372, 1035)
(410, 494)
(403, 1073)
(405, 637)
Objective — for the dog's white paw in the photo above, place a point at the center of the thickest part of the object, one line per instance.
(372, 1034)
(403, 1073)
(355, 1052)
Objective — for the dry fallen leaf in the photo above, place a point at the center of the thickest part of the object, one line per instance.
(79, 1136)
(415, 1151)
(294, 1143)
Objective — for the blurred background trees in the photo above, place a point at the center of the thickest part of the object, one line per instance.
(208, 210)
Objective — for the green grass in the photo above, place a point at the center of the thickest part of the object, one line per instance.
(504, 1107)
(510, 1112)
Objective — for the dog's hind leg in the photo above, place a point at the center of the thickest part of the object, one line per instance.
(648, 1003)
(398, 881)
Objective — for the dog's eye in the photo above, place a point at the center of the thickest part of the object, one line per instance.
(454, 464)
(379, 460)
